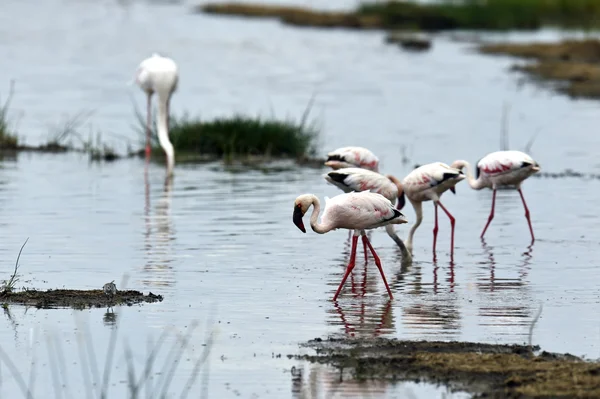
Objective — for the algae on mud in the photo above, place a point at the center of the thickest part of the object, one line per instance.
(484, 370)
(77, 299)
(572, 65)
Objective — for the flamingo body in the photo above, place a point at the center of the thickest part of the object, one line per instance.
(357, 179)
(347, 157)
(428, 183)
(505, 168)
(159, 75)
(354, 211)
(501, 169)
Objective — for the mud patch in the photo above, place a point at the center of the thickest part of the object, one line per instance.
(570, 66)
(77, 299)
(484, 370)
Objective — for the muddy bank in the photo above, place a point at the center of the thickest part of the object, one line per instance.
(77, 299)
(484, 370)
(571, 66)
(391, 15)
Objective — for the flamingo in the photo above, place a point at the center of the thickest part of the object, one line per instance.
(353, 211)
(347, 157)
(501, 169)
(428, 183)
(159, 75)
(357, 179)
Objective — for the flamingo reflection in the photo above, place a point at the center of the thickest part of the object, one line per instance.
(158, 236)
(430, 308)
(500, 311)
(320, 381)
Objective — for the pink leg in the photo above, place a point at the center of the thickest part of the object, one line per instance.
(350, 265)
(378, 263)
(148, 125)
(491, 213)
(435, 227)
(452, 222)
(365, 249)
(527, 215)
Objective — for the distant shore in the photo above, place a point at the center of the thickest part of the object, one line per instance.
(442, 16)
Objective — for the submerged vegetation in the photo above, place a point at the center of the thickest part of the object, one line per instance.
(492, 371)
(571, 66)
(434, 16)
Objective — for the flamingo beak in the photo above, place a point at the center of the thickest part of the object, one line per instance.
(298, 218)
(453, 189)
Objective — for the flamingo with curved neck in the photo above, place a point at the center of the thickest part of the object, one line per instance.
(357, 211)
(359, 179)
(159, 75)
(501, 169)
(428, 183)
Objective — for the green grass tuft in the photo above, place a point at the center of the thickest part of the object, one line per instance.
(243, 135)
(239, 136)
(8, 139)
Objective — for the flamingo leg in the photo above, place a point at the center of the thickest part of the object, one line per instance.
(378, 263)
(452, 223)
(365, 247)
(491, 212)
(350, 265)
(148, 125)
(527, 215)
(435, 226)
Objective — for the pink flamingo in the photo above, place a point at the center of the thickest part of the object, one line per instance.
(357, 179)
(159, 75)
(428, 183)
(500, 169)
(348, 157)
(353, 211)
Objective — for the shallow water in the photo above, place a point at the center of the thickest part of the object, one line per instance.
(220, 246)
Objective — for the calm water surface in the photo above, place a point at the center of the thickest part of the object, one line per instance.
(220, 246)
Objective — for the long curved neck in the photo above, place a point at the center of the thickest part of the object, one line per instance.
(474, 183)
(314, 218)
(419, 211)
(163, 130)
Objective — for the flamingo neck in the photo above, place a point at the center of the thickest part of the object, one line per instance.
(476, 184)
(314, 222)
(163, 130)
(418, 206)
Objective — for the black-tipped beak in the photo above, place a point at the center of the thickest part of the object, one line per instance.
(298, 219)
(453, 189)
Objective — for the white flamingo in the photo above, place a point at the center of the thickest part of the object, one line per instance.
(159, 75)
(501, 168)
(348, 157)
(357, 179)
(428, 183)
(353, 211)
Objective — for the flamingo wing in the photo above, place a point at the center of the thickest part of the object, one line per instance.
(430, 175)
(359, 210)
(352, 156)
(357, 179)
(502, 162)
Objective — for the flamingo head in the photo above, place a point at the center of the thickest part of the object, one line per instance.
(301, 206)
(460, 164)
